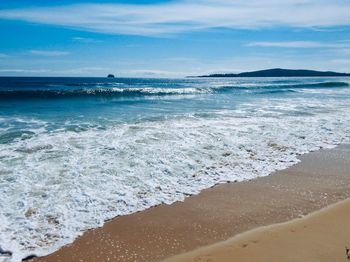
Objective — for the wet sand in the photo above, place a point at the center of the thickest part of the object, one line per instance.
(320, 236)
(322, 178)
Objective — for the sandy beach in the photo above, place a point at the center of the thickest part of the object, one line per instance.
(321, 236)
(321, 178)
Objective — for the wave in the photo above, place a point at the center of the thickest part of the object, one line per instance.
(292, 86)
(157, 91)
(103, 92)
(277, 91)
(321, 85)
(143, 165)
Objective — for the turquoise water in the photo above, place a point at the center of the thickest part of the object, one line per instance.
(79, 103)
(79, 151)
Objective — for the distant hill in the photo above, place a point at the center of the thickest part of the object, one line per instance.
(279, 72)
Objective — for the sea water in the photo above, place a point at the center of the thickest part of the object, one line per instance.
(75, 152)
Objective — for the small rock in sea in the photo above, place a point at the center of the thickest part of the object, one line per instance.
(44, 195)
(29, 212)
(276, 146)
(5, 252)
(226, 154)
(52, 220)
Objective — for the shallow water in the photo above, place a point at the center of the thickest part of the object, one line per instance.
(77, 151)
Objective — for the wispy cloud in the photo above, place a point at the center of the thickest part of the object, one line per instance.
(83, 71)
(70, 71)
(188, 15)
(292, 44)
(30, 71)
(150, 73)
(85, 40)
(48, 52)
(341, 61)
(3, 55)
(301, 44)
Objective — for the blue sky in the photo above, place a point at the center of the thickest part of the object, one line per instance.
(171, 38)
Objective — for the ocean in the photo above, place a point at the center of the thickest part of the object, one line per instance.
(75, 152)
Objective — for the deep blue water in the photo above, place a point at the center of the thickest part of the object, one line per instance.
(101, 101)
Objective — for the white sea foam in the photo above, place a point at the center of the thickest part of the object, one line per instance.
(166, 91)
(55, 185)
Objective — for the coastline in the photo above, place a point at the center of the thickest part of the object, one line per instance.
(218, 213)
(323, 235)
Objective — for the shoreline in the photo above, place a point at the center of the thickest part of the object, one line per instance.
(269, 243)
(294, 239)
(163, 231)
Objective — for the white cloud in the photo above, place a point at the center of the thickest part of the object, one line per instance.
(301, 44)
(30, 71)
(188, 15)
(341, 61)
(91, 71)
(344, 52)
(292, 44)
(57, 72)
(85, 40)
(48, 52)
(82, 71)
(150, 73)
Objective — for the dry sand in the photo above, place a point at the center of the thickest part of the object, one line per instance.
(321, 236)
(322, 178)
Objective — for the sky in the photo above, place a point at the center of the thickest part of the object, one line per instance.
(157, 38)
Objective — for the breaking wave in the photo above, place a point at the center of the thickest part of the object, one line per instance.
(157, 91)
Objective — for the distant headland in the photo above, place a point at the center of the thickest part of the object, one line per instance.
(279, 72)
